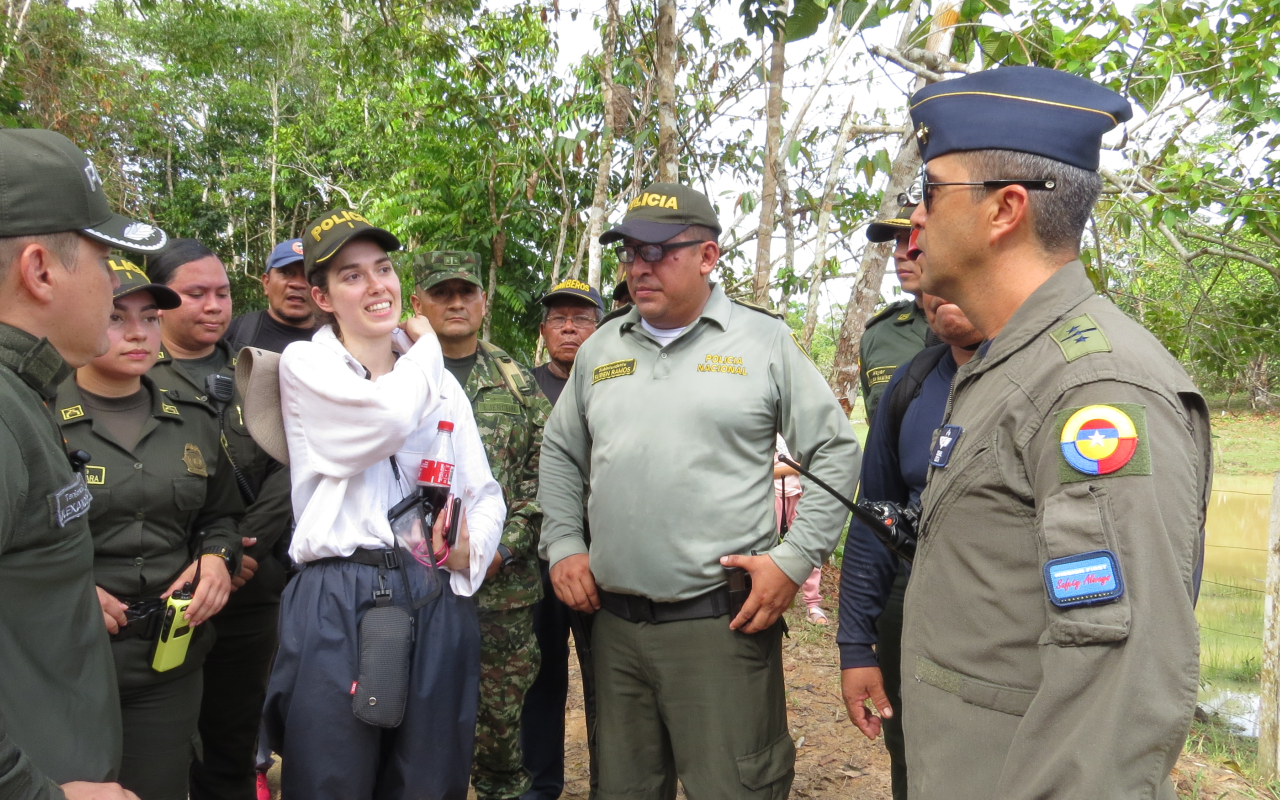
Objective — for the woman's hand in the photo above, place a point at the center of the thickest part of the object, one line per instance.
(416, 327)
(112, 611)
(211, 594)
(459, 558)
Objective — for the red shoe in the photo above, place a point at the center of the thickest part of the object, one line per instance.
(264, 791)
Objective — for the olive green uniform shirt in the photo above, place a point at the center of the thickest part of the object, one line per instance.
(269, 514)
(59, 706)
(676, 444)
(511, 429)
(156, 505)
(891, 339)
(1006, 694)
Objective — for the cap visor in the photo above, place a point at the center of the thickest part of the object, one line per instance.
(127, 234)
(165, 297)
(884, 231)
(643, 230)
(385, 239)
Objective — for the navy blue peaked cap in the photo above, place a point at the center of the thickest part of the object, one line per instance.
(1028, 109)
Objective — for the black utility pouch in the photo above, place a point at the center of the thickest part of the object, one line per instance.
(386, 636)
(739, 585)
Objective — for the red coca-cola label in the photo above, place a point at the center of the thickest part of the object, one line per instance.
(439, 473)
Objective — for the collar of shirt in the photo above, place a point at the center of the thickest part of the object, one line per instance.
(400, 344)
(34, 360)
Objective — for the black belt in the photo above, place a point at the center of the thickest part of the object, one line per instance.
(143, 619)
(634, 608)
(390, 559)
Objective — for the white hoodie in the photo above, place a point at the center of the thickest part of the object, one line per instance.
(342, 430)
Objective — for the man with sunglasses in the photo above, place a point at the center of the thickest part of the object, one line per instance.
(510, 413)
(667, 429)
(1049, 648)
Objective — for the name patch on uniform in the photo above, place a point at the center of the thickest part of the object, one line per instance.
(730, 364)
(614, 369)
(74, 412)
(948, 435)
(95, 476)
(879, 375)
(194, 459)
(496, 407)
(1080, 336)
(70, 501)
(1086, 579)
(1102, 440)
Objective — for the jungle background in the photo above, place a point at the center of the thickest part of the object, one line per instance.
(519, 129)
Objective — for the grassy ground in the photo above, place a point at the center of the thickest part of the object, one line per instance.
(1245, 443)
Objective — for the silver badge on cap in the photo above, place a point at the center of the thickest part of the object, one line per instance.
(91, 175)
(137, 232)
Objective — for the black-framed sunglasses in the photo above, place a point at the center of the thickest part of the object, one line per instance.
(922, 192)
(652, 253)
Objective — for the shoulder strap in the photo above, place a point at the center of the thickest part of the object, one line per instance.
(754, 307)
(511, 373)
(908, 388)
(246, 334)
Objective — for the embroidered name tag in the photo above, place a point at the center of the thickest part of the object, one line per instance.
(614, 369)
(70, 501)
(95, 476)
(879, 375)
(496, 407)
(948, 435)
(1086, 579)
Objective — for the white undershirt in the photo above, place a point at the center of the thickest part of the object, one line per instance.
(665, 336)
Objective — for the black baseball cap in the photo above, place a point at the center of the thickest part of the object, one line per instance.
(133, 279)
(886, 230)
(326, 234)
(574, 289)
(661, 211)
(47, 185)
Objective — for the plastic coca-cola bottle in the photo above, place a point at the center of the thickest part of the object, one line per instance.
(435, 477)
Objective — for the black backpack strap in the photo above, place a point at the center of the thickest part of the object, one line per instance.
(908, 388)
(247, 335)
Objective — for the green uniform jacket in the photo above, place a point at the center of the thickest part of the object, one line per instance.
(1006, 694)
(676, 444)
(59, 706)
(511, 429)
(154, 508)
(891, 339)
(270, 515)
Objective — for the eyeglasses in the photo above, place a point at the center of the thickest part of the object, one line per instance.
(557, 321)
(652, 253)
(923, 191)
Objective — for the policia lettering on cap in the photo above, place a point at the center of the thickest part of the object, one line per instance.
(1049, 616)
(58, 229)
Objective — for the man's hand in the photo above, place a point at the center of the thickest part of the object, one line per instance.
(858, 685)
(574, 584)
(211, 594)
(494, 566)
(771, 592)
(81, 790)
(416, 327)
(248, 564)
(112, 611)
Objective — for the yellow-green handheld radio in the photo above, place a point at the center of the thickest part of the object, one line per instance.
(175, 632)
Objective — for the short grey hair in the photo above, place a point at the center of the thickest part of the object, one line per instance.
(1058, 216)
(558, 302)
(694, 232)
(66, 246)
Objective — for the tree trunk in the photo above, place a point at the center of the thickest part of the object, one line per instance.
(668, 139)
(275, 138)
(499, 245)
(561, 238)
(818, 274)
(1258, 378)
(769, 189)
(789, 228)
(601, 195)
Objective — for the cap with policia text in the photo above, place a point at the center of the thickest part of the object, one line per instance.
(1032, 110)
(326, 234)
(661, 211)
(886, 230)
(133, 279)
(286, 253)
(48, 186)
(437, 266)
(573, 289)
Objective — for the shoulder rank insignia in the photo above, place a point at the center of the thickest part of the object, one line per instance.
(194, 459)
(1079, 337)
(1103, 440)
(74, 412)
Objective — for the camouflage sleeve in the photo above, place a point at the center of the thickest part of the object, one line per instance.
(524, 515)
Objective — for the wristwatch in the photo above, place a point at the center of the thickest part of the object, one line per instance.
(505, 552)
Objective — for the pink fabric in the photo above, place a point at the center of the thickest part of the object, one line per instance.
(811, 585)
(810, 589)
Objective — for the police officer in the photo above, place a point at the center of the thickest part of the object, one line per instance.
(55, 303)
(899, 330)
(873, 582)
(196, 365)
(163, 498)
(1049, 646)
(670, 421)
(510, 413)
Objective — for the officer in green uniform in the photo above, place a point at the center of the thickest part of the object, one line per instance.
(1049, 648)
(59, 707)
(510, 412)
(197, 365)
(670, 421)
(163, 498)
(898, 331)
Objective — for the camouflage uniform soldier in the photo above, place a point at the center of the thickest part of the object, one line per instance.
(510, 412)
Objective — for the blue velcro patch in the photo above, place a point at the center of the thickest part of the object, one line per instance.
(948, 435)
(1086, 579)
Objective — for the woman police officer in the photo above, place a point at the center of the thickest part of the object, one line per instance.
(163, 499)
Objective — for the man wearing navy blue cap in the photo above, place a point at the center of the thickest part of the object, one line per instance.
(1050, 644)
(289, 316)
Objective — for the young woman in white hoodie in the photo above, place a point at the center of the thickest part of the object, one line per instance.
(361, 404)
